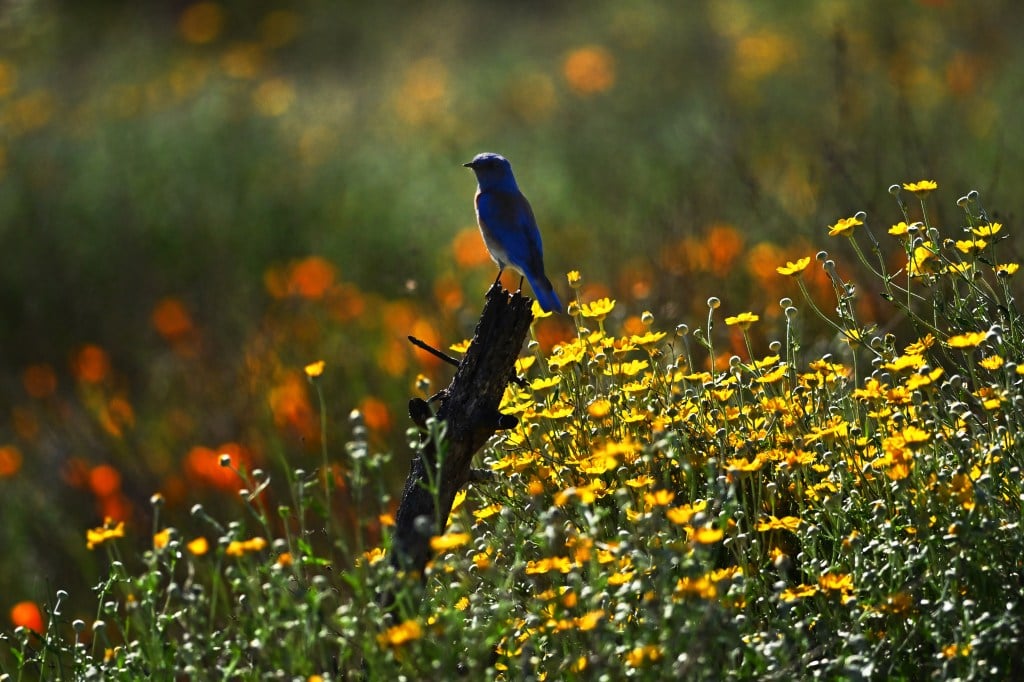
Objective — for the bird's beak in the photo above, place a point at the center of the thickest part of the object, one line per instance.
(468, 164)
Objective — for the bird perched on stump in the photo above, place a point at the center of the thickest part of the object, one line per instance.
(508, 226)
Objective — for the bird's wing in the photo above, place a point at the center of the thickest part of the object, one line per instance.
(509, 217)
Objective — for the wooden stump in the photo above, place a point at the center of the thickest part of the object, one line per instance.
(469, 412)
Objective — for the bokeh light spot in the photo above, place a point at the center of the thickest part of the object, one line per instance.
(201, 22)
(589, 70)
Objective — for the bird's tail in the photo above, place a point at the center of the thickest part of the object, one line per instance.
(545, 293)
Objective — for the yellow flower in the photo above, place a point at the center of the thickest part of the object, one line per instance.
(844, 227)
(598, 309)
(914, 435)
(566, 354)
(923, 259)
(744, 320)
(987, 230)
(701, 587)
(488, 511)
(557, 411)
(373, 556)
(620, 578)
(482, 560)
(545, 383)
(968, 340)
(461, 346)
(640, 654)
(790, 523)
(798, 592)
(537, 311)
(954, 650)
(992, 362)
(791, 268)
(523, 364)
(575, 279)
(900, 229)
(198, 547)
(240, 547)
(315, 369)
(647, 339)
(706, 535)
(641, 481)
(641, 386)
(628, 369)
(600, 408)
(968, 245)
(990, 398)
(562, 564)
(906, 362)
(921, 187)
(1007, 269)
(921, 345)
(774, 375)
(744, 465)
(400, 634)
(682, 515)
(836, 582)
(589, 620)
(659, 498)
(916, 381)
(161, 539)
(97, 536)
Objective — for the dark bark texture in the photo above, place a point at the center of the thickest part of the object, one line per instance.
(469, 411)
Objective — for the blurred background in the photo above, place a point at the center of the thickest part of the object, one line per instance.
(198, 199)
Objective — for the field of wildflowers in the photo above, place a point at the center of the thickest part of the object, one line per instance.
(733, 455)
(661, 511)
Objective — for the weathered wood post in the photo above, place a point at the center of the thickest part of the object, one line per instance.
(469, 411)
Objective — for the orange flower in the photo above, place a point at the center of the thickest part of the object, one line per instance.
(589, 70)
(40, 381)
(171, 320)
(724, 245)
(203, 464)
(311, 277)
(104, 480)
(10, 460)
(469, 249)
(289, 402)
(376, 414)
(91, 364)
(26, 614)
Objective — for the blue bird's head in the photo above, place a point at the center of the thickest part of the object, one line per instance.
(493, 171)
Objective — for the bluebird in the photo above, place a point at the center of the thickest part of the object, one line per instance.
(508, 226)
